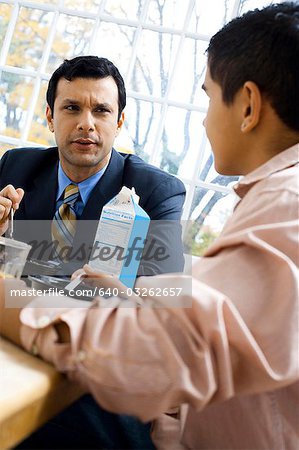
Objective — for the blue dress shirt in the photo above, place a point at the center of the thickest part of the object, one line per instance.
(85, 188)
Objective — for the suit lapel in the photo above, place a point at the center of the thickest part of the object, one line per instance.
(38, 206)
(39, 201)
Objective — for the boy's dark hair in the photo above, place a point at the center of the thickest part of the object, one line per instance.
(261, 46)
(87, 67)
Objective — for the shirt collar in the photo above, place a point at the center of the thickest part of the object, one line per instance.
(85, 187)
(287, 158)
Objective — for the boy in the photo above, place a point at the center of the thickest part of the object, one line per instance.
(232, 357)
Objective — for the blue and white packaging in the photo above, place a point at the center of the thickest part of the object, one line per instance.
(120, 237)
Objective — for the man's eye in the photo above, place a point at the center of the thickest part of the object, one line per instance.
(71, 107)
(102, 110)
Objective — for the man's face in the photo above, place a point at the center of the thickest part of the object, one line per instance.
(85, 124)
(222, 124)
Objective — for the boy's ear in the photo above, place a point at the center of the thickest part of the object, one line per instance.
(252, 104)
(49, 119)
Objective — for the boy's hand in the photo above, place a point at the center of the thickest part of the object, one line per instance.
(105, 281)
(99, 279)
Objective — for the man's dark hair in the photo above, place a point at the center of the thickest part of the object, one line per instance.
(87, 67)
(261, 46)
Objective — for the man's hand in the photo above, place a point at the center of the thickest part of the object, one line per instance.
(9, 198)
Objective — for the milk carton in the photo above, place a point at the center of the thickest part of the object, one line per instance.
(120, 237)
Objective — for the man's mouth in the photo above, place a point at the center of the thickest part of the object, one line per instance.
(86, 142)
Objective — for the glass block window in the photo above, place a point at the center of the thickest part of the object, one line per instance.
(159, 47)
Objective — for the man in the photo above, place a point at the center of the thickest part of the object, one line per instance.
(231, 359)
(86, 97)
(85, 101)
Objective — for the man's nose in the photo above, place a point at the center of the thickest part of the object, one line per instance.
(86, 122)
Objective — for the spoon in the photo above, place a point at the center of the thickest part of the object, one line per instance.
(10, 224)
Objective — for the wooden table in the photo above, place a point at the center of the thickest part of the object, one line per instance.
(31, 392)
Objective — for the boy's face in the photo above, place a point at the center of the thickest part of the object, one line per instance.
(222, 124)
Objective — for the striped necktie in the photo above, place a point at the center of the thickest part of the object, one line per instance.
(64, 223)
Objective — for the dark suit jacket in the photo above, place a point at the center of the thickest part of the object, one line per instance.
(161, 196)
